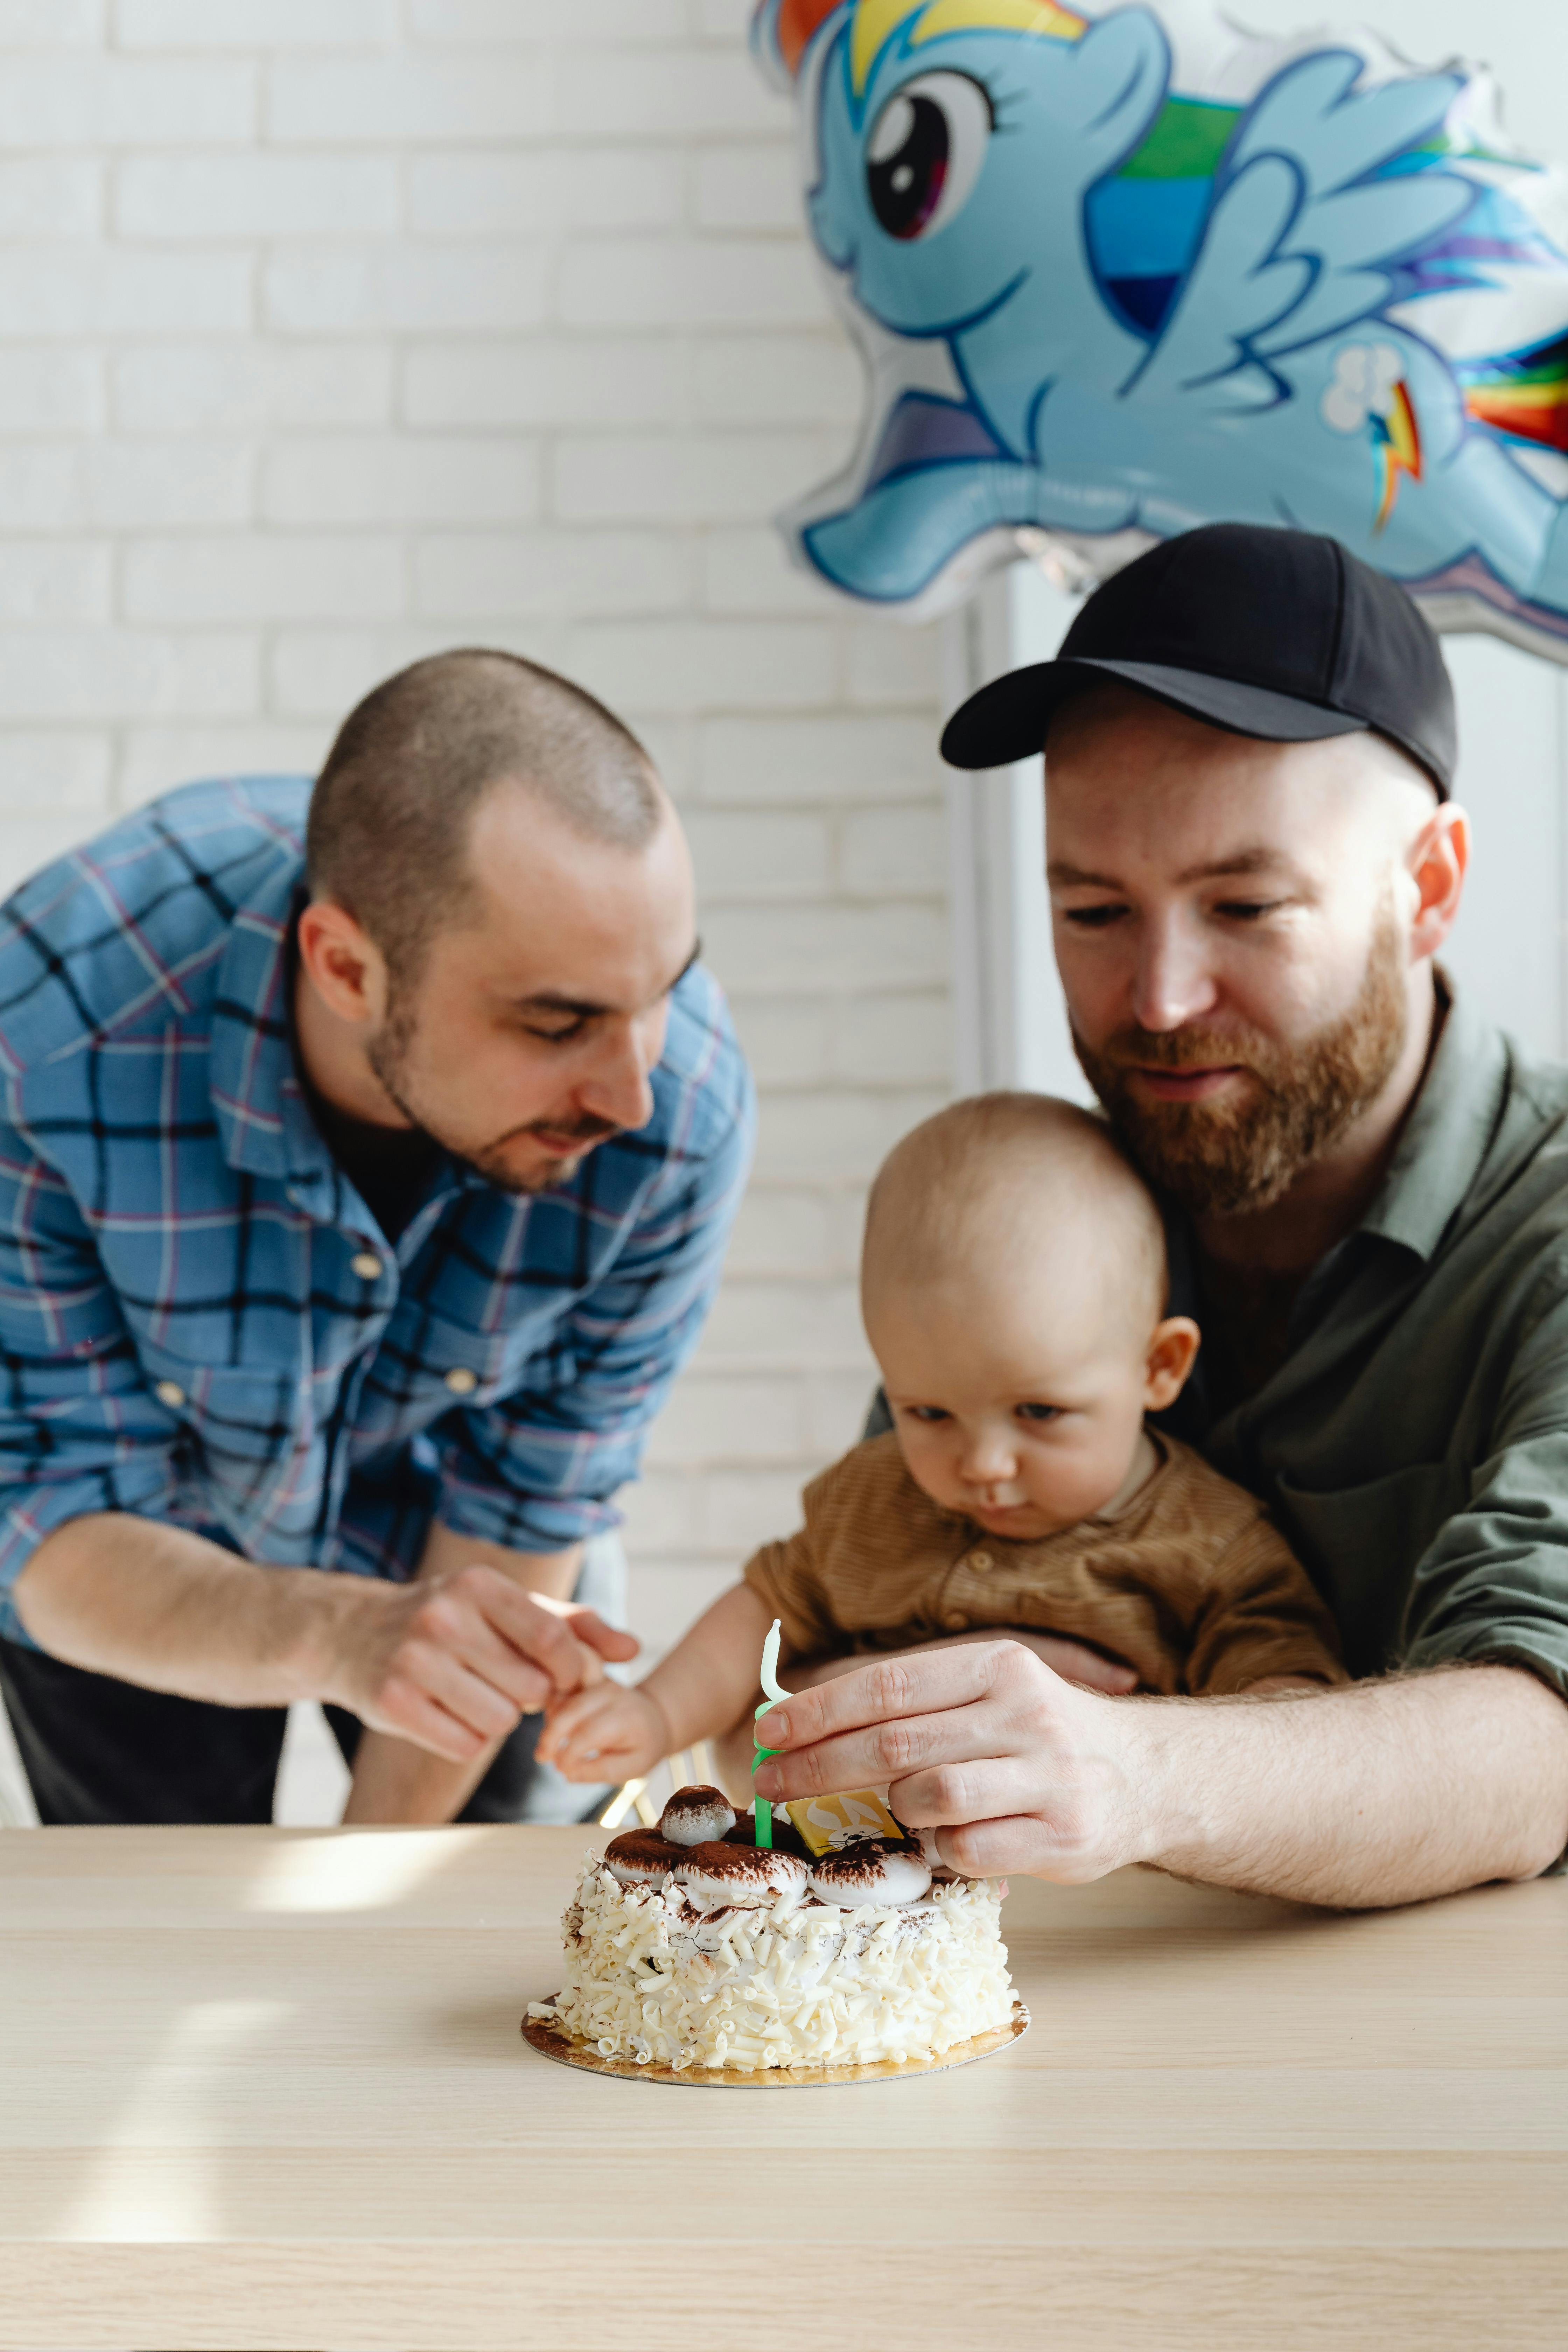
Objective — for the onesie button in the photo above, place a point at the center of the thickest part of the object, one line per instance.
(461, 1382)
(366, 1265)
(955, 1620)
(171, 1393)
(981, 1559)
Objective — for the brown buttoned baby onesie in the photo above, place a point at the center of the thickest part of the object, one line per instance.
(1189, 1583)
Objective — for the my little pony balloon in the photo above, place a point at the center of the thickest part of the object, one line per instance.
(1118, 272)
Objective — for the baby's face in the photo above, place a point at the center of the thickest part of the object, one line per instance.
(1024, 1422)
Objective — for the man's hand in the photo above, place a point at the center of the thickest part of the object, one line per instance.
(605, 1733)
(1018, 1768)
(1385, 1791)
(451, 1662)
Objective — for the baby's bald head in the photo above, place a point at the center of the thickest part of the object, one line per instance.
(1008, 1190)
(1014, 1289)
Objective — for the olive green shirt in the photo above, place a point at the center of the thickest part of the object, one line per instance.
(1413, 1446)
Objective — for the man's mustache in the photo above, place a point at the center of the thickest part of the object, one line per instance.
(569, 1130)
(1178, 1049)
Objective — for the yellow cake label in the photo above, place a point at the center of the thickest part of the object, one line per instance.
(830, 1823)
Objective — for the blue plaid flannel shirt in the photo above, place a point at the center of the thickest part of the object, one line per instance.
(184, 1331)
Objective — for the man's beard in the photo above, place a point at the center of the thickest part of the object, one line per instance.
(1243, 1151)
(388, 1055)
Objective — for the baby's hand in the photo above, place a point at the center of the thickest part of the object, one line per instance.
(607, 1733)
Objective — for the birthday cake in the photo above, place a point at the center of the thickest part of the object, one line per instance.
(691, 1946)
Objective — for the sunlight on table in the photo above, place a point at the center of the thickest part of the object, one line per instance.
(357, 1870)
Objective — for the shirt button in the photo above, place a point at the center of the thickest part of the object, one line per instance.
(461, 1382)
(367, 1267)
(955, 1620)
(171, 1393)
(981, 1559)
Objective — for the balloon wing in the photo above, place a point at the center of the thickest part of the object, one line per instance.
(1302, 237)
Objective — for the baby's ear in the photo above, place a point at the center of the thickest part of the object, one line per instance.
(1173, 1352)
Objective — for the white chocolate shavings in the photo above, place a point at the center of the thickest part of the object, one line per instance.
(650, 1978)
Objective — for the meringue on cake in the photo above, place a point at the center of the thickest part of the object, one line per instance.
(689, 1945)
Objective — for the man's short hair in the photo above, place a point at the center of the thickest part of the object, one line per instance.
(393, 806)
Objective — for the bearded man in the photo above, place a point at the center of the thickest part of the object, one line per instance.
(367, 1154)
(1252, 861)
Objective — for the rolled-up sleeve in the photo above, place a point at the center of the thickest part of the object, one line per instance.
(539, 1471)
(1493, 1582)
(80, 1430)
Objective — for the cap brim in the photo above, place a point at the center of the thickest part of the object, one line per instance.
(1008, 720)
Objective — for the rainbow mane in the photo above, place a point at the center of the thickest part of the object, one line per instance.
(875, 22)
(785, 29)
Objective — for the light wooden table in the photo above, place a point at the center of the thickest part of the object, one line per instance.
(266, 2088)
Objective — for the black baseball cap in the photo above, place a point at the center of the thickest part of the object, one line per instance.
(1276, 634)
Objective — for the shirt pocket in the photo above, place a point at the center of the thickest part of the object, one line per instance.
(1360, 1545)
(249, 1450)
(433, 1364)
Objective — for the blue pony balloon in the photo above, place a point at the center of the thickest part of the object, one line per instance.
(1118, 273)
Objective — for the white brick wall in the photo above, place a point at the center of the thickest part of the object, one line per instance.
(333, 331)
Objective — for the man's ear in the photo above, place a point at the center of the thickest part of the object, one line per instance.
(1439, 856)
(1173, 1352)
(342, 962)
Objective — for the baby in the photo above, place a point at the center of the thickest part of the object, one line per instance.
(1012, 1285)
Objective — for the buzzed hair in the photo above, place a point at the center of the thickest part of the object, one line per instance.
(393, 806)
(989, 1166)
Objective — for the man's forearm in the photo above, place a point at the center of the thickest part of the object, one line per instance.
(1387, 1792)
(448, 1661)
(160, 1607)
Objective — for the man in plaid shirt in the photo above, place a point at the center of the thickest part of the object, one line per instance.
(362, 1190)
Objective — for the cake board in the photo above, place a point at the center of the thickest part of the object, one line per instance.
(551, 2040)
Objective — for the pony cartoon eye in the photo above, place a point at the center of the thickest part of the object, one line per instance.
(925, 151)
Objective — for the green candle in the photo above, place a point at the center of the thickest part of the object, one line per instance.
(764, 1814)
